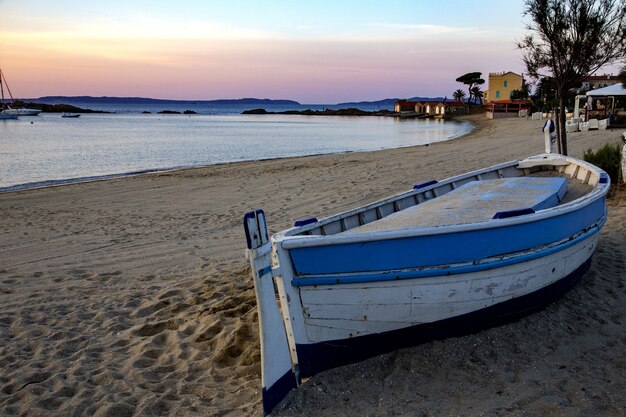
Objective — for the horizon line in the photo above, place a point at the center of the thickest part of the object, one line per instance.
(223, 99)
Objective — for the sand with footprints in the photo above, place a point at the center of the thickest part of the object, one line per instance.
(132, 297)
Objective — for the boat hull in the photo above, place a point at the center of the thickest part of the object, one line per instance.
(23, 112)
(425, 309)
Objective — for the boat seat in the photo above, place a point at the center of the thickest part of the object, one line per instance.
(476, 201)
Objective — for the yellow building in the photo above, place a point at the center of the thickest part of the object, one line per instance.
(501, 84)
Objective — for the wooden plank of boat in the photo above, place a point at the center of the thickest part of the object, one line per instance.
(276, 361)
(476, 201)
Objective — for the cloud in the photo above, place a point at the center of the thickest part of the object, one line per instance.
(135, 54)
(466, 35)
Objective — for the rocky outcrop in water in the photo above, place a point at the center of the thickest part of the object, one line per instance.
(54, 108)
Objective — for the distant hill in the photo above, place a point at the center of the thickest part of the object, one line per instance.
(258, 102)
(387, 102)
(142, 100)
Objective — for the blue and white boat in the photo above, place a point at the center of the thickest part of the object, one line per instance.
(446, 258)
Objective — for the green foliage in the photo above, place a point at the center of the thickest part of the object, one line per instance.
(458, 95)
(546, 88)
(478, 94)
(518, 94)
(471, 79)
(608, 158)
(523, 92)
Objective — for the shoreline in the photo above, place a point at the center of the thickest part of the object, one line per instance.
(133, 297)
(36, 185)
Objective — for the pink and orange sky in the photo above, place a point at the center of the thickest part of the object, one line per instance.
(312, 52)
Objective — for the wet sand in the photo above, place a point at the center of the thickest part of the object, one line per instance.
(132, 297)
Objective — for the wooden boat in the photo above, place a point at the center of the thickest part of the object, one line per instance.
(446, 258)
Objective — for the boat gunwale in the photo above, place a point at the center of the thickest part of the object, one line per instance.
(439, 270)
(288, 240)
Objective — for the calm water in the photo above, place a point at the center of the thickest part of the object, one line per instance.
(48, 149)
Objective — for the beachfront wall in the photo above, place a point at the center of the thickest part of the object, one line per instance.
(404, 106)
(501, 84)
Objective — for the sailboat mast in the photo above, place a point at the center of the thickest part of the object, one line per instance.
(3, 82)
(1, 91)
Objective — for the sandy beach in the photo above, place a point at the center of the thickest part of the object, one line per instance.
(132, 297)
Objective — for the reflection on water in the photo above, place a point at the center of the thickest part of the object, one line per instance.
(51, 148)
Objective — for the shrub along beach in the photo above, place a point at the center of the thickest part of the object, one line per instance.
(132, 296)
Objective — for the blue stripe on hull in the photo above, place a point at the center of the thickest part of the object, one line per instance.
(442, 249)
(314, 358)
(437, 272)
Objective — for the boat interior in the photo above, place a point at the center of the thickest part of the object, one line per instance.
(504, 191)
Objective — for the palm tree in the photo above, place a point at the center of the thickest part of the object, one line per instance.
(458, 95)
(478, 95)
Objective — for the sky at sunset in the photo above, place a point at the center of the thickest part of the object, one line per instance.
(309, 51)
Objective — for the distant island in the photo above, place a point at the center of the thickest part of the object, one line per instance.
(387, 102)
(259, 102)
(326, 112)
(54, 108)
(142, 100)
(106, 104)
(174, 112)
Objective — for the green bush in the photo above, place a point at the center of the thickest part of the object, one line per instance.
(609, 158)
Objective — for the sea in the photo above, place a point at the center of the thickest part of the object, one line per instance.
(49, 150)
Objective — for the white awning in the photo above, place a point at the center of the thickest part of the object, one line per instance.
(612, 90)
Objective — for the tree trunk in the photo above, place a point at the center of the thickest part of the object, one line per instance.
(563, 133)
